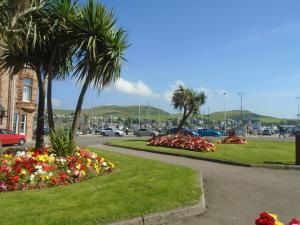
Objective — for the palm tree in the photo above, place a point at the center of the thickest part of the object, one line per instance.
(26, 43)
(99, 50)
(61, 43)
(187, 100)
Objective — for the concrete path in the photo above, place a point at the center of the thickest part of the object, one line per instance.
(236, 195)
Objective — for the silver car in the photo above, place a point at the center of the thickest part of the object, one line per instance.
(145, 132)
(111, 132)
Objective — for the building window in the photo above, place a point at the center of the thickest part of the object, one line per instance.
(16, 123)
(22, 124)
(27, 90)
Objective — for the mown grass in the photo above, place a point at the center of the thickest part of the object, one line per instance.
(256, 152)
(136, 187)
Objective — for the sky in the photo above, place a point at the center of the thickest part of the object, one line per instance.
(215, 46)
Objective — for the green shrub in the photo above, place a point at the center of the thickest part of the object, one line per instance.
(61, 142)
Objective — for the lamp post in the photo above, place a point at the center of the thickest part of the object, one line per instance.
(298, 114)
(224, 93)
(242, 125)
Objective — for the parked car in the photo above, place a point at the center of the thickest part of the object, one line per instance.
(8, 137)
(145, 132)
(111, 132)
(209, 133)
(185, 130)
(267, 132)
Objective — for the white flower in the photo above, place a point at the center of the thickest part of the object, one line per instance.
(50, 174)
(104, 164)
(94, 155)
(68, 171)
(32, 177)
(20, 153)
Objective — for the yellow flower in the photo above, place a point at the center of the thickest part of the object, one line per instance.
(111, 165)
(89, 160)
(7, 156)
(277, 222)
(78, 166)
(83, 172)
(23, 172)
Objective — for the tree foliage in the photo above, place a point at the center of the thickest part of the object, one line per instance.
(188, 101)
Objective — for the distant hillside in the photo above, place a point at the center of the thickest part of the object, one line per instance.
(154, 113)
(120, 111)
(247, 115)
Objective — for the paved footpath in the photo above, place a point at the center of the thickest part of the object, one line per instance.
(236, 195)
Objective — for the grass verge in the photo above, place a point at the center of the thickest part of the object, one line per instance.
(256, 152)
(135, 188)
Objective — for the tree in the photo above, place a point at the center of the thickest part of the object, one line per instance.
(187, 100)
(99, 50)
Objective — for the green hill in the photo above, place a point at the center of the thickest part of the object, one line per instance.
(247, 115)
(120, 111)
(154, 113)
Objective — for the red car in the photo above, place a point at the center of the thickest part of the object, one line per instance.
(8, 137)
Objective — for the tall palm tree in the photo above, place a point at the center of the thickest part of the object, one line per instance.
(62, 45)
(26, 44)
(187, 100)
(99, 50)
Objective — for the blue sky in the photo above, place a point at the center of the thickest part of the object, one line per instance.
(209, 45)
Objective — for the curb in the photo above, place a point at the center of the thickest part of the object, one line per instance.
(170, 216)
(266, 166)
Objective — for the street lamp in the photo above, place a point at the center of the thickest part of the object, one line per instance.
(241, 94)
(224, 93)
(298, 114)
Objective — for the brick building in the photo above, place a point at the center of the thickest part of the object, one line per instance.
(18, 95)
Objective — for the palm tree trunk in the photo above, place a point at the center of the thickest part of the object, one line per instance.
(78, 108)
(49, 103)
(184, 118)
(182, 121)
(49, 92)
(39, 139)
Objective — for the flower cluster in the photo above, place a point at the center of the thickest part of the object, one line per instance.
(34, 169)
(233, 139)
(180, 141)
(272, 219)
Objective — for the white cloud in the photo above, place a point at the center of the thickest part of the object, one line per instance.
(168, 94)
(136, 88)
(56, 102)
(207, 92)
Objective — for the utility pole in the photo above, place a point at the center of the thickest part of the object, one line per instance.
(242, 125)
(224, 93)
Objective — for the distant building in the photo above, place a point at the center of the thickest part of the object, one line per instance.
(18, 101)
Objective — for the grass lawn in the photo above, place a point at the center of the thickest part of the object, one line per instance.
(256, 152)
(136, 187)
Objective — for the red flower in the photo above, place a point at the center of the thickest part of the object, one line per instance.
(265, 219)
(15, 179)
(294, 221)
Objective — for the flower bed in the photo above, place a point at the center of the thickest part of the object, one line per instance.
(35, 169)
(180, 141)
(272, 219)
(233, 139)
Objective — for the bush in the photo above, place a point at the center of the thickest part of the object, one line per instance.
(61, 141)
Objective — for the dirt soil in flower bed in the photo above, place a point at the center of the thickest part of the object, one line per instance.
(255, 152)
(135, 187)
